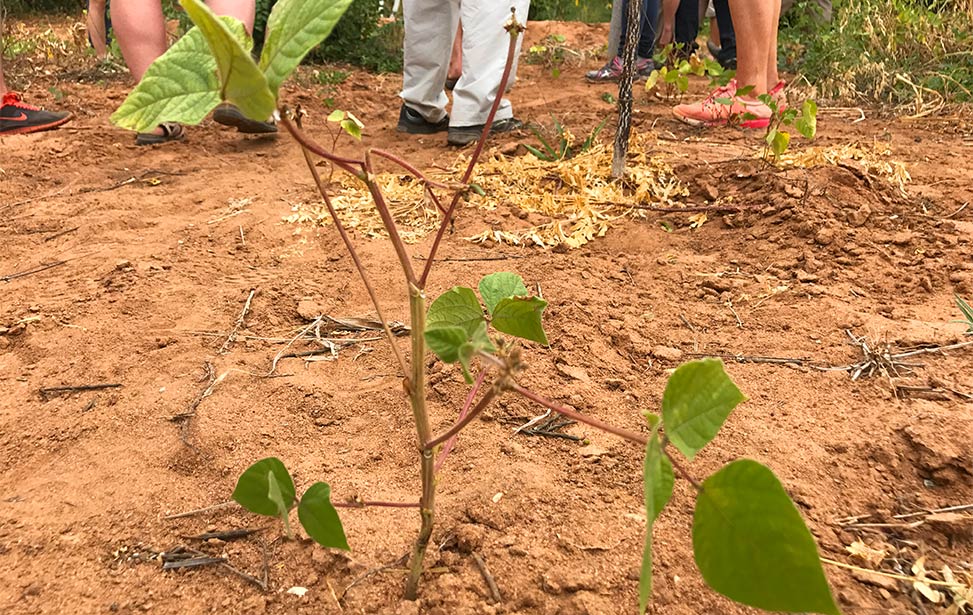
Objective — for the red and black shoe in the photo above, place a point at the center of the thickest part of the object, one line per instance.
(17, 117)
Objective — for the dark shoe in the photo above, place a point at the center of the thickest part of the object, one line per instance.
(18, 118)
(726, 57)
(451, 83)
(412, 122)
(613, 70)
(464, 135)
(230, 115)
(171, 131)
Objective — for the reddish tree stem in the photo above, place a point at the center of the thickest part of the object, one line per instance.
(466, 420)
(515, 31)
(362, 273)
(631, 436)
(345, 164)
(373, 503)
(389, 222)
(462, 414)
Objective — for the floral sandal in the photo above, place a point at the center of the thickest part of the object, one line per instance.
(171, 131)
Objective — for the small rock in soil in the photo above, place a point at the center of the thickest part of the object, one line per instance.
(667, 353)
(592, 450)
(576, 373)
(308, 309)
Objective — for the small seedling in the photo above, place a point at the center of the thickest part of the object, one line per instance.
(549, 52)
(671, 79)
(749, 540)
(565, 142)
(967, 312)
(777, 140)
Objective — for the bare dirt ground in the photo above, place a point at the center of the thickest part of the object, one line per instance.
(148, 276)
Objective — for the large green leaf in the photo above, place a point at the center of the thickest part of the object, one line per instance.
(452, 343)
(521, 316)
(658, 480)
(253, 489)
(497, 286)
(457, 307)
(241, 82)
(320, 519)
(276, 495)
(294, 28)
(752, 546)
(180, 86)
(446, 342)
(698, 398)
(807, 124)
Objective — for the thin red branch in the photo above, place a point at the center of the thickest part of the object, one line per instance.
(515, 31)
(631, 436)
(345, 164)
(362, 273)
(485, 401)
(408, 167)
(373, 503)
(389, 222)
(462, 414)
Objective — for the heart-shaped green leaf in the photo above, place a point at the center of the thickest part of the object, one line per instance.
(752, 546)
(320, 519)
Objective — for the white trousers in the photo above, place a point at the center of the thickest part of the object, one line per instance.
(429, 29)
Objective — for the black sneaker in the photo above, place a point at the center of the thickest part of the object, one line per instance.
(17, 117)
(464, 135)
(412, 122)
(230, 115)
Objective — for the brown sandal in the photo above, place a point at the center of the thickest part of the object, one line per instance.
(171, 131)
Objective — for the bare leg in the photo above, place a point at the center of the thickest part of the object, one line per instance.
(456, 57)
(772, 76)
(244, 10)
(3, 84)
(755, 22)
(141, 30)
(714, 31)
(95, 25)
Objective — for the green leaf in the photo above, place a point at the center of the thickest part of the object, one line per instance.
(658, 480)
(769, 138)
(682, 83)
(521, 317)
(241, 82)
(781, 141)
(446, 341)
(498, 286)
(352, 127)
(277, 497)
(698, 398)
(807, 124)
(320, 519)
(294, 28)
(253, 488)
(652, 80)
(180, 86)
(537, 153)
(457, 307)
(752, 546)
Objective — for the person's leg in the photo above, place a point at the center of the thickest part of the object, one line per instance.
(485, 44)
(728, 40)
(756, 23)
(141, 30)
(650, 21)
(429, 29)
(3, 84)
(95, 25)
(456, 56)
(244, 10)
(686, 27)
(772, 77)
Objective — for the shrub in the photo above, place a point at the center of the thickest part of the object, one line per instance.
(894, 52)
